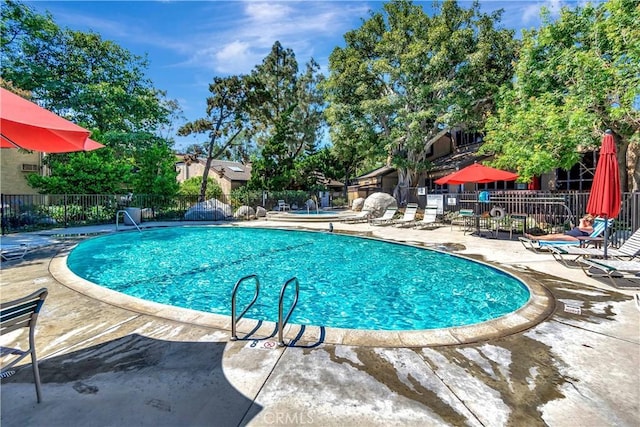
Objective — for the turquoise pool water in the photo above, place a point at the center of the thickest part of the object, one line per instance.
(345, 281)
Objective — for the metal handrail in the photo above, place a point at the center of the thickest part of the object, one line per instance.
(130, 219)
(281, 322)
(234, 319)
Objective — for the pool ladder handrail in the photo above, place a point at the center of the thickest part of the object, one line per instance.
(130, 219)
(282, 322)
(235, 319)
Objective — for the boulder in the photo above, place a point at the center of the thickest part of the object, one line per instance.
(245, 212)
(357, 204)
(260, 212)
(377, 203)
(209, 210)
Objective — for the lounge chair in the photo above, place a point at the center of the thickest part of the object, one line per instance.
(627, 251)
(430, 218)
(611, 268)
(386, 218)
(544, 245)
(17, 314)
(362, 216)
(409, 216)
(12, 252)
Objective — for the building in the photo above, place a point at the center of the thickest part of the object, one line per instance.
(229, 175)
(454, 149)
(15, 165)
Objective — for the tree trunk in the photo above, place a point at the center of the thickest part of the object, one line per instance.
(205, 179)
(630, 174)
(401, 192)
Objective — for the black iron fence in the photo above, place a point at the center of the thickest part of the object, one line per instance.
(550, 211)
(22, 212)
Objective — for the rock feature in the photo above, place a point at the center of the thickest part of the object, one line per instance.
(260, 212)
(377, 203)
(209, 210)
(245, 212)
(357, 204)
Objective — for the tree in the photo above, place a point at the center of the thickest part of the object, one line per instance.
(155, 170)
(192, 186)
(404, 76)
(90, 81)
(285, 116)
(576, 77)
(94, 172)
(225, 120)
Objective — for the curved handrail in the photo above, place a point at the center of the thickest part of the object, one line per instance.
(235, 319)
(130, 219)
(281, 322)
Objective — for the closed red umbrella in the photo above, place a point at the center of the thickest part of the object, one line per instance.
(26, 125)
(606, 196)
(477, 173)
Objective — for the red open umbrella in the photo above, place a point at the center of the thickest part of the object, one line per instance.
(26, 125)
(606, 196)
(477, 173)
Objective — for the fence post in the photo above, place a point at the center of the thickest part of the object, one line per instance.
(65, 211)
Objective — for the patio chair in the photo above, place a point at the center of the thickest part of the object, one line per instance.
(409, 216)
(386, 218)
(611, 268)
(283, 206)
(362, 216)
(429, 220)
(464, 219)
(544, 245)
(571, 255)
(16, 314)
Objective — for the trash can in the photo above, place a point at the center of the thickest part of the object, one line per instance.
(135, 214)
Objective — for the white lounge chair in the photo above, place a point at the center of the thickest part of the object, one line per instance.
(611, 268)
(538, 245)
(430, 218)
(571, 255)
(386, 218)
(409, 216)
(11, 252)
(362, 216)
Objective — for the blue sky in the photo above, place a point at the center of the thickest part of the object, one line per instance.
(189, 42)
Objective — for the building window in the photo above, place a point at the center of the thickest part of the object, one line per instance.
(580, 176)
(26, 167)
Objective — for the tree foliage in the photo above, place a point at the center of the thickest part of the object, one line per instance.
(192, 186)
(225, 120)
(576, 77)
(285, 117)
(403, 76)
(94, 172)
(92, 82)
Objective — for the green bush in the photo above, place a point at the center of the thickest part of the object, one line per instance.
(191, 187)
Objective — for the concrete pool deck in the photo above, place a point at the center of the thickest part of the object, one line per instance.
(102, 364)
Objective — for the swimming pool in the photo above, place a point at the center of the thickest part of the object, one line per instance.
(345, 281)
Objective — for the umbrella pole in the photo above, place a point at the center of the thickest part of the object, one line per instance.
(606, 231)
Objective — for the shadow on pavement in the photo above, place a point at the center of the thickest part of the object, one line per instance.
(133, 380)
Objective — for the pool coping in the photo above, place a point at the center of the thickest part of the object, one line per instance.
(540, 306)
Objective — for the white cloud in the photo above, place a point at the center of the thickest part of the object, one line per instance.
(233, 58)
(531, 12)
(301, 26)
